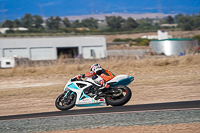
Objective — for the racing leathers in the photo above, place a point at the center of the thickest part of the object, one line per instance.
(104, 74)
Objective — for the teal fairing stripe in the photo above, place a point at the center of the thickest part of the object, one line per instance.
(126, 81)
(73, 86)
(83, 95)
(89, 105)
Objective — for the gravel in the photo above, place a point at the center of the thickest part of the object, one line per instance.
(100, 120)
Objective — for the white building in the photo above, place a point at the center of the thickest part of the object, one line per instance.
(50, 48)
(3, 30)
(161, 34)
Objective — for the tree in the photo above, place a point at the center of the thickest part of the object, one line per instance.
(8, 24)
(187, 26)
(176, 18)
(170, 20)
(76, 24)
(16, 23)
(27, 21)
(66, 22)
(57, 22)
(115, 23)
(53, 23)
(90, 23)
(143, 25)
(185, 22)
(37, 21)
(197, 21)
(130, 24)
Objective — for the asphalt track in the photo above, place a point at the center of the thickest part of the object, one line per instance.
(183, 105)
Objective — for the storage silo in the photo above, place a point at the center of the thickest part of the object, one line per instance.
(175, 46)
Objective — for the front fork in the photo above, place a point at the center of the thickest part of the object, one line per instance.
(68, 95)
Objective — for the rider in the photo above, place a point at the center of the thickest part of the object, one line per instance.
(103, 76)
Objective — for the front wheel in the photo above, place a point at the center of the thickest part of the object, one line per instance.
(121, 98)
(66, 100)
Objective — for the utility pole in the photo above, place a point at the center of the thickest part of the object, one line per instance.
(41, 9)
(2, 13)
(159, 8)
(92, 7)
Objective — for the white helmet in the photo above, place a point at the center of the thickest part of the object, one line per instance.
(95, 67)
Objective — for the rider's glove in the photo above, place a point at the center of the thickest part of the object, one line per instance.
(78, 76)
(74, 79)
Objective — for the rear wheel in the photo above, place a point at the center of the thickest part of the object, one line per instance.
(120, 98)
(66, 100)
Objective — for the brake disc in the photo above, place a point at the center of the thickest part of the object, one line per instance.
(118, 94)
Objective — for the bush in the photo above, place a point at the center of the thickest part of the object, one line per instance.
(144, 42)
(138, 41)
(123, 40)
(197, 37)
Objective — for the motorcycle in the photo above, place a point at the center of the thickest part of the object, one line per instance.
(82, 93)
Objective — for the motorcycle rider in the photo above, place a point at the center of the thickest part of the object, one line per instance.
(100, 76)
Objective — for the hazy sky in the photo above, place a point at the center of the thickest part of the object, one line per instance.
(11, 9)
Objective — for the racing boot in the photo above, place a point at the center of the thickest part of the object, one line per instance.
(99, 93)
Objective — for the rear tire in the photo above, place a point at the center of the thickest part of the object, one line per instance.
(121, 99)
(66, 103)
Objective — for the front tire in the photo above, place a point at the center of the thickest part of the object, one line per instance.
(65, 102)
(120, 99)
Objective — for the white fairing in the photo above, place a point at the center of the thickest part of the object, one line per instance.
(118, 78)
(78, 90)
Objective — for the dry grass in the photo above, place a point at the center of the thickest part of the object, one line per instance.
(119, 65)
(34, 89)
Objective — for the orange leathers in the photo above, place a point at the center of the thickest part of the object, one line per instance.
(105, 75)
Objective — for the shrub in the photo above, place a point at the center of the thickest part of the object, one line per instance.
(197, 37)
(144, 42)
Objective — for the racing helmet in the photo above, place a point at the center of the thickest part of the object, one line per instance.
(96, 68)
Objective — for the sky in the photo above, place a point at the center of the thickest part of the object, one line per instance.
(16, 9)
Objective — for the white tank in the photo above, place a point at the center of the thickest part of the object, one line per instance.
(175, 46)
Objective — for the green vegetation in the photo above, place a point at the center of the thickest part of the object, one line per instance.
(134, 42)
(111, 25)
(197, 37)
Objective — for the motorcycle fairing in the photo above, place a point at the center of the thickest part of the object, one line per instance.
(83, 99)
(83, 95)
(120, 80)
(73, 86)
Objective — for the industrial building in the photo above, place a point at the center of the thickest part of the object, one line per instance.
(50, 48)
(173, 47)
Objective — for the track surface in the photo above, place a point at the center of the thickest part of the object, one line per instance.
(128, 108)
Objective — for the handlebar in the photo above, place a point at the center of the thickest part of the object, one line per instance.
(75, 79)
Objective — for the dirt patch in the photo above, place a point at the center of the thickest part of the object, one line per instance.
(174, 128)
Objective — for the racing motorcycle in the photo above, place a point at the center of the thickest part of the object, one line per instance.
(83, 93)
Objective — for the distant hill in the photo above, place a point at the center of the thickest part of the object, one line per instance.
(123, 15)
